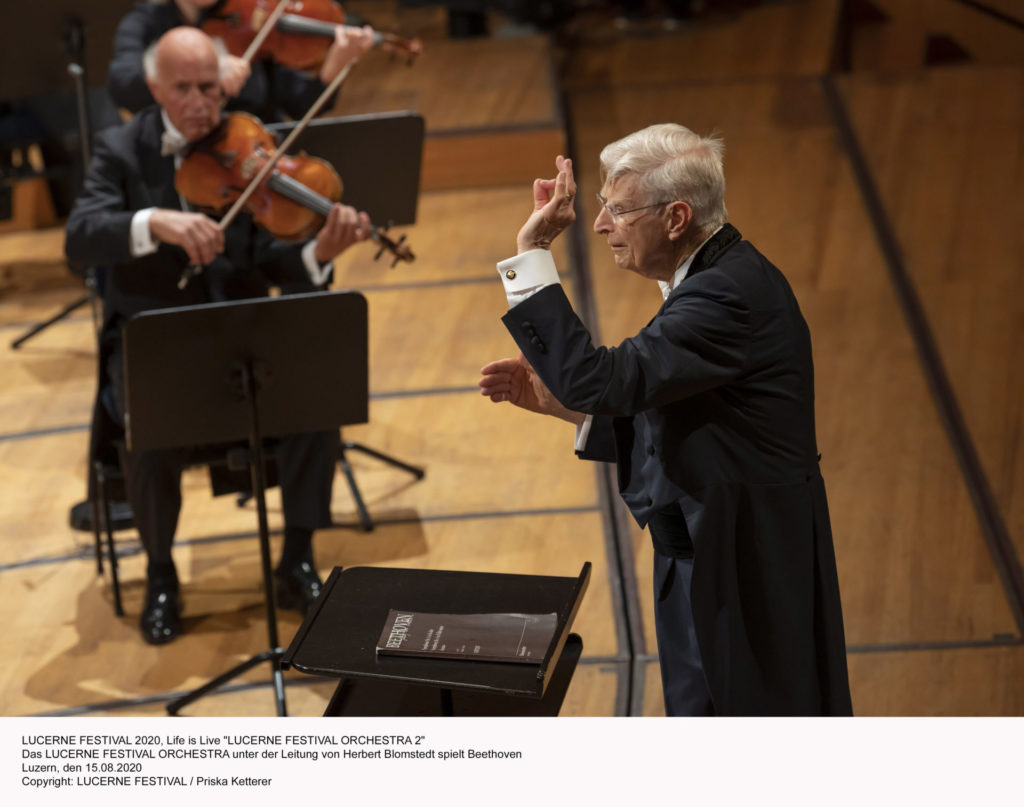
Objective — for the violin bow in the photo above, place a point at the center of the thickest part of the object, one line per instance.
(265, 30)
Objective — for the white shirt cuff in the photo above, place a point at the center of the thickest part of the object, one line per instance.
(141, 239)
(526, 274)
(317, 273)
(583, 432)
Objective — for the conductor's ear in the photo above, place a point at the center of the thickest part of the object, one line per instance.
(680, 217)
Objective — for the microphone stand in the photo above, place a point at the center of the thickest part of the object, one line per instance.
(74, 41)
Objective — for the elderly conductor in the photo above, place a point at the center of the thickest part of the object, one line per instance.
(708, 413)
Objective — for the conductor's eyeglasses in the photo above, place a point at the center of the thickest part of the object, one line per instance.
(615, 214)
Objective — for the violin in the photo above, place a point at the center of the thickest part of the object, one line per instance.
(294, 199)
(301, 36)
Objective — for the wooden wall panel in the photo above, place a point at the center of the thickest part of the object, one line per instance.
(946, 147)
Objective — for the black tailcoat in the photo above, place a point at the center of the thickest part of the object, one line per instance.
(711, 406)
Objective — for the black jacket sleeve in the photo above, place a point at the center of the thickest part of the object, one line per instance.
(699, 341)
(140, 27)
(98, 228)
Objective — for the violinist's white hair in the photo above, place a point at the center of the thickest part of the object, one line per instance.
(149, 63)
(671, 162)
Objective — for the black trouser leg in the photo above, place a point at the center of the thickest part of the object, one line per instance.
(153, 484)
(305, 469)
(682, 673)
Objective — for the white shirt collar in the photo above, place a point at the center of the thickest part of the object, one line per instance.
(680, 274)
(172, 140)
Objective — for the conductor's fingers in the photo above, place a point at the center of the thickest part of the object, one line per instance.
(499, 366)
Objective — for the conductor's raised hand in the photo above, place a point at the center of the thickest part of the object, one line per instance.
(515, 381)
(343, 228)
(553, 209)
(196, 233)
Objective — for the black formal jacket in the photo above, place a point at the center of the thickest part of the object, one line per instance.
(128, 174)
(711, 406)
(272, 91)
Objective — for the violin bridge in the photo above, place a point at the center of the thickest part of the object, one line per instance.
(250, 167)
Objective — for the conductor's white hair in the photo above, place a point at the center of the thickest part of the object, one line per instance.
(673, 163)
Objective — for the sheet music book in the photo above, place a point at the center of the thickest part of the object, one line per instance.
(521, 638)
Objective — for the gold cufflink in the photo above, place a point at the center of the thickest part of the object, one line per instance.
(511, 274)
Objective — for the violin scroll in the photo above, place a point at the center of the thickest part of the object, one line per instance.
(411, 47)
(399, 249)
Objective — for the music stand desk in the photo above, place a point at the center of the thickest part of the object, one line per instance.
(338, 638)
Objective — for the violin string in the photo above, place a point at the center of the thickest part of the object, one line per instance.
(268, 166)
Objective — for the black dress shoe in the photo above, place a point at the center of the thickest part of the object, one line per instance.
(298, 586)
(161, 617)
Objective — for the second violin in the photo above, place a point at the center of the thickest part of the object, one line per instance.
(301, 37)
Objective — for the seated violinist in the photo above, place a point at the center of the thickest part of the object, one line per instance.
(129, 217)
(268, 90)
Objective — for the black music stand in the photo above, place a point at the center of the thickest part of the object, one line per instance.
(250, 369)
(338, 638)
(357, 146)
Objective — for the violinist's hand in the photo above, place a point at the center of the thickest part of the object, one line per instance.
(196, 233)
(343, 228)
(552, 208)
(234, 72)
(515, 381)
(349, 43)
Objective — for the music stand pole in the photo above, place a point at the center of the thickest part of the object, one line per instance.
(250, 383)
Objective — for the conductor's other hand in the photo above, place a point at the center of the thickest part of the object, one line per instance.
(553, 209)
(515, 381)
(343, 228)
(234, 72)
(349, 44)
(196, 233)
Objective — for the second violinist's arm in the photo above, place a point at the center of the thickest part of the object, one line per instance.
(234, 72)
(349, 44)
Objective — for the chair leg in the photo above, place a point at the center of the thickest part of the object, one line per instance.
(97, 539)
(108, 523)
